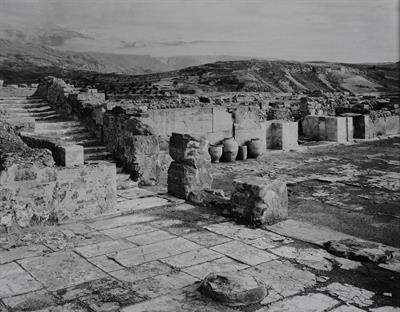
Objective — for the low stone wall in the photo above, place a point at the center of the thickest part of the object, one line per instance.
(366, 128)
(328, 128)
(33, 189)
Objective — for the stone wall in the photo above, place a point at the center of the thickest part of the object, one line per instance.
(328, 128)
(33, 189)
(366, 127)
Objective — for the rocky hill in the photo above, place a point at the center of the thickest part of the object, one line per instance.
(255, 76)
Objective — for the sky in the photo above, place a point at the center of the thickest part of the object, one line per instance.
(304, 30)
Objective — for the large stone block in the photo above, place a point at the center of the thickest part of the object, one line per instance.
(244, 135)
(222, 120)
(393, 125)
(257, 201)
(184, 179)
(282, 135)
(188, 150)
(310, 127)
(70, 155)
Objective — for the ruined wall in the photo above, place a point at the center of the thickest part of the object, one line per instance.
(367, 127)
(33, 189)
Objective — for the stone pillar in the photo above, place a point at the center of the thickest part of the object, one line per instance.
(257, 201)
(189, 173)
(282, 135)
(69, 155)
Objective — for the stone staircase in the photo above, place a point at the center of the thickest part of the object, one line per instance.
(48, 123)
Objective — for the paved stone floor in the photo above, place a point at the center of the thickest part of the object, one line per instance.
(152, 258)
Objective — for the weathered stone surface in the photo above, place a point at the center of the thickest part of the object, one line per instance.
(350, 294)
(307, 303)
(105, 263)
(220, 265)
(120, 221)
(71, 155)
(244, 253)
(192, 258)
(23, 252)
(185, 149)
(128, 230)
(282, 279)
(307, 232)
(138, 255)
(348, 308)
(385, 309)
(161, 284)
(234, 289)
(359, 250)
(150, 237)
(103, 248)
(61, 269)
(138, 204)
(315, 258)
(30, 302)
(184, 179)
(14, 280)
(142, 271)
(258, 202)
(282, 135)
(206, 238)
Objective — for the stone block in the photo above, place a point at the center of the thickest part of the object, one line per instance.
(392, 125)
(188, 150)
(310, 127)
(70, 155)
(222, 120)
(184, 179)
(282, 135)
(361, 126)
(335, 129)
(257, 201)
(243, 135)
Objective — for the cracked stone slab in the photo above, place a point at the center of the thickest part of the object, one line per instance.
(256, 237)
(31, 301)
(22, 252)
(162, 284)
(128, 230)
(314, 258)
(192, 258)
(61, 269)
(103, 248)
(244, 253)
(386, 309)
(68, 307)
(307, 232)
(101, 294)
(282, 279)
(141, 254)
(150, 237)
(206, 238)
(138, 204)
(120, 221)
(179, 301)
(307, 303)
(347, 308)
(350, 294)
(14, 280)
(142, 271)
(105, 263)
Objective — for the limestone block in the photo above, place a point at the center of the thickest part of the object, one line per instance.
(142, 144)
(310, 127)
(222, 120)
(335, 129)
(321, 128)
(184, 179)
(257, 201)
(282, 135)
(70, 155)
(392, 125)
(243, 135)
(188, 150)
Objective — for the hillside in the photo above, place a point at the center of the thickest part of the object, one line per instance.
(256, 76)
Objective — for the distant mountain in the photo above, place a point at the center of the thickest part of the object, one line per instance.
(254, 76)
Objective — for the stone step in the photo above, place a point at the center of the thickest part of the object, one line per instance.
(35, 115)
(63, 133)
(34, 109)
(98, 156)
(20, 105)
(90, 141)
(59, 124)
(95, 149)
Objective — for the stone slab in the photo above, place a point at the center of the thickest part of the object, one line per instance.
(128, 230)
(31, 301)
(147, 253)
(105, 263)
(103, 248)
(22, 252)
(192, 258)
(14, 280)
(307, 303)
(244, 253)
(350, 294)
(61, 269)
(219, 265)
(120, 221)
(206, 238)
(282, 279)
(142, 271)
(162, 284)
(138, 204)
(306, 232)
(348, 308)
(150, 237)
